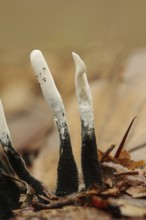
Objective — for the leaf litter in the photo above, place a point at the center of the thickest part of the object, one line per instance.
(124, 190)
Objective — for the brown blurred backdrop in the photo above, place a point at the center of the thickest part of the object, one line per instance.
(101, 31)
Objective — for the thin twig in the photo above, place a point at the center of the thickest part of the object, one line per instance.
(107, 152)
(117, 154)
(55, 205)
(126, 173)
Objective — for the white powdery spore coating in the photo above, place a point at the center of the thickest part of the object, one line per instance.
(48, 87)
(83, 93)
(4, 131)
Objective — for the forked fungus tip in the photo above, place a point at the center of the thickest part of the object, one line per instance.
(80, 65)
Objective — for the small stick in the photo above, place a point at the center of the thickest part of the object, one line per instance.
(89, 158)
(14, 158)
(126, 173)
(67, 181)
(54, 205)
(120, 148)
(107, 152)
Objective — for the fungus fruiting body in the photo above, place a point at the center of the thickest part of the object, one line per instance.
(67, 179)
(67, 172)
(67, 175)
(89, 158)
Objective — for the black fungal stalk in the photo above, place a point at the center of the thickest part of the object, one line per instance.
(67, 179)
(5, 209)
(19, 167)
(10, 190)
(9, 196)
(67, 176)
(89, 158)
(16, 162)
(91, 168)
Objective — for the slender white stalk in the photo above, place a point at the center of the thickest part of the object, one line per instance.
(49, 89)
(83, 93)
(5, 137)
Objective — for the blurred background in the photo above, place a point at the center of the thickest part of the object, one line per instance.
(104, 33)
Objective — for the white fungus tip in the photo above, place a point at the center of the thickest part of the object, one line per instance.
(49, 89)
(79, 64)
(4, 131)
(39, 65)
(34, 54)
(83, 93)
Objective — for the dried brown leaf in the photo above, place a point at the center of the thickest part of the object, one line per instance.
(137, 191)
(129, 207)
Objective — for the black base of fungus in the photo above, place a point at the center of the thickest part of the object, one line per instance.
(18, 165)
(10, 190)
(67, 180)
(5, 210)
(91, 168)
